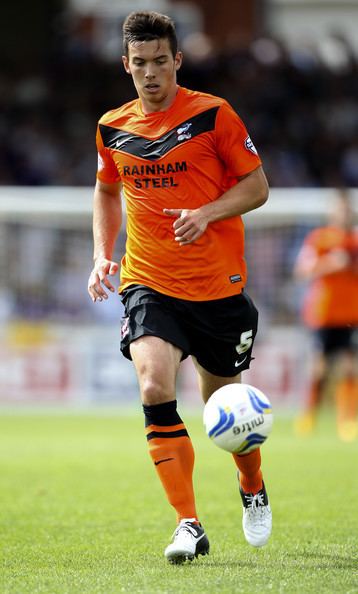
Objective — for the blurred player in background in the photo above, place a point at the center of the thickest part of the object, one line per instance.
(188, 170)
(328, 260)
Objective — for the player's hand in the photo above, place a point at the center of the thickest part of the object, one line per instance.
(189, 224)
(337, 260)
(98, 278)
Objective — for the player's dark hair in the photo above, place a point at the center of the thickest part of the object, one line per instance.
(146, 26)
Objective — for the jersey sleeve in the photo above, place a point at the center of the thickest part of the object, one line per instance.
(234, 144)
(307, 254)
(320, 241)
(107, 171)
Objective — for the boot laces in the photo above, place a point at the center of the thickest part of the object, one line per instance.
(256, 500)
(185, 529)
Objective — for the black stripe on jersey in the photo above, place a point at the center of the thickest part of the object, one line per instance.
(152, 150)
(178, 433)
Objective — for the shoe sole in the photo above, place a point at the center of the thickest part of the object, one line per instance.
(182, 558)
(202, 548)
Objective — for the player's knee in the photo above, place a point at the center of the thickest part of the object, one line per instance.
(155, 391)
(343, 366)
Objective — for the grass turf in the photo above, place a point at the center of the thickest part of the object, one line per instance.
(81, 511)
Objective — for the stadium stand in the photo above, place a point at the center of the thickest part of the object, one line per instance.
(302, 109)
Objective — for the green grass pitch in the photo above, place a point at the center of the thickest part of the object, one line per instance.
(82, 511)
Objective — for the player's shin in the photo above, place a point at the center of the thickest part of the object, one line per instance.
(172, 452)
(250, 475)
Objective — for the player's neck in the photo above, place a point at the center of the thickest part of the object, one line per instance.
(149, 107)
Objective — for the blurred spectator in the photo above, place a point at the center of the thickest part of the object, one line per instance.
(302, 103)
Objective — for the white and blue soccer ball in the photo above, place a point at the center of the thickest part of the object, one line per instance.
(238, 418)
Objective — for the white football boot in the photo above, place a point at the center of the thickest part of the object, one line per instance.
(257, 517)
(189, 541)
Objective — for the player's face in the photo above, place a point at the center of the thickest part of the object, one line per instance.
(153, 69)
(341, 213)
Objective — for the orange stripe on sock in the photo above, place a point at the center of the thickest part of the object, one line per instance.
(166, 429)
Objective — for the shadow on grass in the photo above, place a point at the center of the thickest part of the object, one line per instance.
(206, 563)
(306, 560)
(325, 560)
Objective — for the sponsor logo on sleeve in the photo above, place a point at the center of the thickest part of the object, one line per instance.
(249, 145)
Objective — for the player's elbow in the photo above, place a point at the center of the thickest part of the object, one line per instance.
(261, 187)
(262, 193)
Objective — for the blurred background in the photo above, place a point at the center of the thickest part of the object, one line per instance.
(289, 68)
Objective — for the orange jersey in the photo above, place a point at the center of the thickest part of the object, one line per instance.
(181, 158)
(332, 299)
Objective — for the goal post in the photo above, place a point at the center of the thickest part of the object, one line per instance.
(57, 346)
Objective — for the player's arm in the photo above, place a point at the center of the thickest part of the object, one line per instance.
(107, 219)
(311, 265)
(249, 193)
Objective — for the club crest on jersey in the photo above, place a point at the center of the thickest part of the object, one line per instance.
(183, 133)
(249, 145)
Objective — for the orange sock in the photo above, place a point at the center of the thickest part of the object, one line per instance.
(250, 475)
(314, 395)
(347, 400)
(172, 452)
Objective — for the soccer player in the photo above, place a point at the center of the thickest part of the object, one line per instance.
(188, 170)
(328, 260)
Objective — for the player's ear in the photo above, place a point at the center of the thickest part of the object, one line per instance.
(126, 64)
(178, 60)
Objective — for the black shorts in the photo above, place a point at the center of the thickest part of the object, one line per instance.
(219, 333)
(335, 339)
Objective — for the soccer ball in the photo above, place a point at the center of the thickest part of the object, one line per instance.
(238, 418)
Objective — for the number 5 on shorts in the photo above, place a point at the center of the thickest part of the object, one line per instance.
(245, 342)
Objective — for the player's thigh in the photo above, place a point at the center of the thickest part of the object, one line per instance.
(156, 362)
(149, 313)
(208, 382)
(338, 346)
(222, 336)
